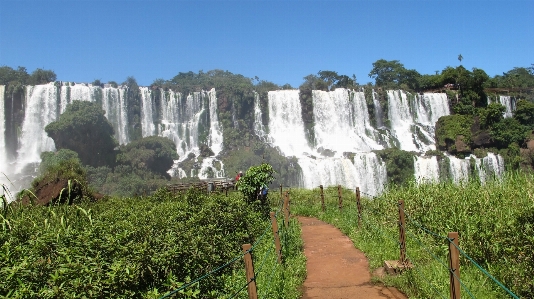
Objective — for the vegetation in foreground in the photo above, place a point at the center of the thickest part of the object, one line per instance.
(146, 247)
(495, 222)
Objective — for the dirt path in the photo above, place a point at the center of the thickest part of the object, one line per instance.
(336, 269)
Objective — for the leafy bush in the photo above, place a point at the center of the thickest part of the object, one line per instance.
(256, 178)
(153, 153)
(399, 165)
(84, 129)
(450, 126)
(123, 248)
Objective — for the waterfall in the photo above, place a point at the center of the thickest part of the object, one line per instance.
(491, 166)
(147, 121)
(366, 171)
(180, 121)
(413, 118)
(216, 135)
(459, 169)
(342, 122)
(3, 151)
(426, 169)
(371, 174)
(379, 115)
(114, 104)
(259, 128)
(286, 127)
(508, 103)
(41, 109)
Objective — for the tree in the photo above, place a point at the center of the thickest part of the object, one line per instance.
(154, 153)
(40, 76)
(524, 113)
(84, 129)
(392, 74)
(252, 182)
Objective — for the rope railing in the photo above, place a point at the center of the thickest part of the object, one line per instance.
(484, 271)
(255, 246)
(368, 209)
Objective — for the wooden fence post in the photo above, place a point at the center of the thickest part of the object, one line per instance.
(249, 270)
(281, 195)
(286, 209)
(340, 200)
(359, 206)
(322, 197)
(454, 265)
(276, 235)
(402, 233)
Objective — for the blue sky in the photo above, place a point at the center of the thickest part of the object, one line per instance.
(278, 41)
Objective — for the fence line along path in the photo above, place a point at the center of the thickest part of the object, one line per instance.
(336, 269)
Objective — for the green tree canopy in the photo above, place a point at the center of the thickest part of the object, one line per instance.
(40, 76)
(84, 129)
(392, 74)
(154, 153)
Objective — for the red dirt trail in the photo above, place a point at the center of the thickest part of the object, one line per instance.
(336, 269)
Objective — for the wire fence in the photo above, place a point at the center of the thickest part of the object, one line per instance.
(413, 230)
(262, 275)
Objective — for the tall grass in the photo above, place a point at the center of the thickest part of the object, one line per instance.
(495, 222)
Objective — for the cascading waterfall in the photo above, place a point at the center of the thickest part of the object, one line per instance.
(342, 122)
(216, 135)
(379, 115)
(371, 173)
(459, 169)
(509, 103)
(259, 128)
(286, 127)
(75, 92)
(147, 118)
(341, 125)
(426, 169)
(413, 118)
(3, 151)
(491, 166)
(41, 109)
(180, 121)
(114, 104)
(208, 168)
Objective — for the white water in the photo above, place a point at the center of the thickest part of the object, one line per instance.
(216, 134)
(379, 115)
(3, 152)
(459, 169)
(259, 128)
(40, 111)
(426, 169)
(371, 173)
(413, 118)
(114, 104)
(180, 121)
(489, 167)
(508, 103)
(286, 127)
(147, 118)
(342, 122)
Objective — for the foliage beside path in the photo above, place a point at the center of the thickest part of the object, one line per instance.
(494, 221)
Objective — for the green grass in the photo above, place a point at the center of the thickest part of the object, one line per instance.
(495, 222)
